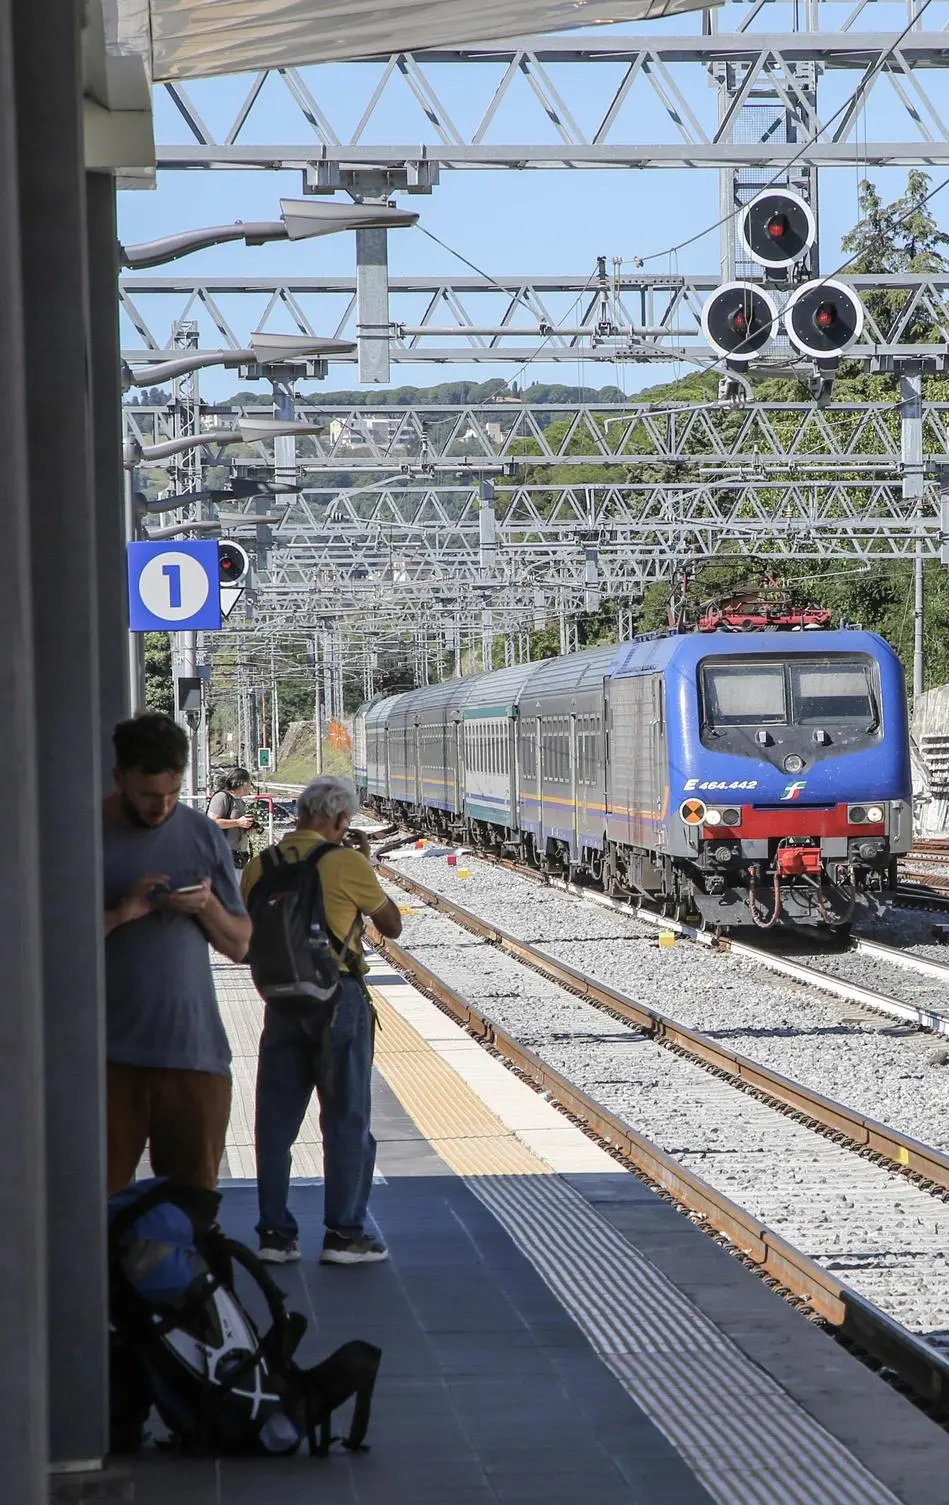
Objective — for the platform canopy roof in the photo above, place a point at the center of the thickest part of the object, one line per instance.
(181, 39)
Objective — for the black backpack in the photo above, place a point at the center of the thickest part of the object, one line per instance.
(294, 957)
(183, 1342)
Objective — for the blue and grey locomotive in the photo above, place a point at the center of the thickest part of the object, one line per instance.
(749, 778)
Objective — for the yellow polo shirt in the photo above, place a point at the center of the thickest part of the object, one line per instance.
(350, 888)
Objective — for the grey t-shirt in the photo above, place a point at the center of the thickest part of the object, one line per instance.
(161, 1007)
(229, 807)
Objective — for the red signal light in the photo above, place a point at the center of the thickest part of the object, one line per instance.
(826, 316)
(739, 322)
(777, 227)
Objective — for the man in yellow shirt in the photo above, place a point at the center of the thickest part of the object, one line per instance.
(287, 1068)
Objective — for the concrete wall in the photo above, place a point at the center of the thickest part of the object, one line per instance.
(929, 728)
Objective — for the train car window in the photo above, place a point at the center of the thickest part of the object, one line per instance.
(836, 692)
(744, 694)
(528, 749)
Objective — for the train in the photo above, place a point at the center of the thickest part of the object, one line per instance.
(740, 778)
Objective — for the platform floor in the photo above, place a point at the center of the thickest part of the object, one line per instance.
(552, 1331)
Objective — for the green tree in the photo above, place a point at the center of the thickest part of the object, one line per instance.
(900, 237)
(159, 690)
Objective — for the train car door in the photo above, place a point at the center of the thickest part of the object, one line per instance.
(657, 759)
(387, 764)
(633, 779)
(417, 763)
(539, 784)
(456, 757)
(513, 753)
(576, 793)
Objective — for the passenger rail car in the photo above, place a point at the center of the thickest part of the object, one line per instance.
(752, 779)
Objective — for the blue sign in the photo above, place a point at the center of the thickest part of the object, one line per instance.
(174, 587)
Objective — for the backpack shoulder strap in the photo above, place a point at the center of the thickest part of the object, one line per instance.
(313, 860)
(319, 852)
(271, 858)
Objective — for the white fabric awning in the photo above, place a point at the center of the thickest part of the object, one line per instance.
(199, 38)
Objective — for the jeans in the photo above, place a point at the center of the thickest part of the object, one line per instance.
(286, 1077)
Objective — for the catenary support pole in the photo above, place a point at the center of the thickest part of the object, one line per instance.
(55, 375)
(23, 1354)
(317, 705)
(911, 453)
(189, 670)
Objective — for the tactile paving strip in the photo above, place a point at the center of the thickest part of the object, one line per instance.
(744, 1437)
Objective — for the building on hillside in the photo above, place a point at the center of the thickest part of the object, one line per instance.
(366, 432)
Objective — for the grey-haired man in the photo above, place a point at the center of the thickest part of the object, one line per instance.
(287, 1068)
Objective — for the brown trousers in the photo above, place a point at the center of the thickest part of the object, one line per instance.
(181, 1115)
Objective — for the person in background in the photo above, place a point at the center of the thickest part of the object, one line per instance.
(170, 894)
(228, 810)
(287, 1070)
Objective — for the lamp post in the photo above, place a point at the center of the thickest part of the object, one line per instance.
(247, 431)
(300, 219)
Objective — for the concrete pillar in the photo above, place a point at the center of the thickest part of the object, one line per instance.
(372, 304)
(23, 1369)
(56, 375)
(110, 477)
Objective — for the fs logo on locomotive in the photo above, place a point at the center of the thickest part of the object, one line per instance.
(793, 790)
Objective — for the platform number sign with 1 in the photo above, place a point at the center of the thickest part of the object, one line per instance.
(174, 587)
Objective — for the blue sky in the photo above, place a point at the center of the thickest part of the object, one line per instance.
(505, 222)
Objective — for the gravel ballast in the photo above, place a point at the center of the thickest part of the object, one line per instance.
(874, 1228)
(876, 1066)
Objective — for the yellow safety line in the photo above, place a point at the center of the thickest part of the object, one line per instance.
(468, 1136)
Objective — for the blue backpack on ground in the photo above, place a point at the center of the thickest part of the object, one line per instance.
(182, 1341)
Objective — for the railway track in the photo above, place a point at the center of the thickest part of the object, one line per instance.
(882, 1149)
(902, 1152)
(913, 895)
(930, 1012)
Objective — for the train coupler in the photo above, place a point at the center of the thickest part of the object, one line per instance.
(799, 862)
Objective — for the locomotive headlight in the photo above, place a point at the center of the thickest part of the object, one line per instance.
(727, 817)
(793, 763)
(856, 815)
(875, 814)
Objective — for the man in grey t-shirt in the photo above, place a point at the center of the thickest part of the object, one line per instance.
(170, 892)
(229, 813)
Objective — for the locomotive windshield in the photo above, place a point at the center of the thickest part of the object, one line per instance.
(831, 692)
(796, 691)
(745, 695)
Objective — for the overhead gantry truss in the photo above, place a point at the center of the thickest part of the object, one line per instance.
(640, 78)
(685, 485)
(621, 316)
(790, 438)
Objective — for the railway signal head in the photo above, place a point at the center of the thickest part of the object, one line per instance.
(777, 228)
(823, 317)
(738, 320)
(233, 563)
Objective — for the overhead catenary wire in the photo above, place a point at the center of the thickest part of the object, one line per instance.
(812, 140)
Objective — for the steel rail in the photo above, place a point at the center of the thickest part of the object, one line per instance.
(897, 958)
(856, 1320)
(900, 1150)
